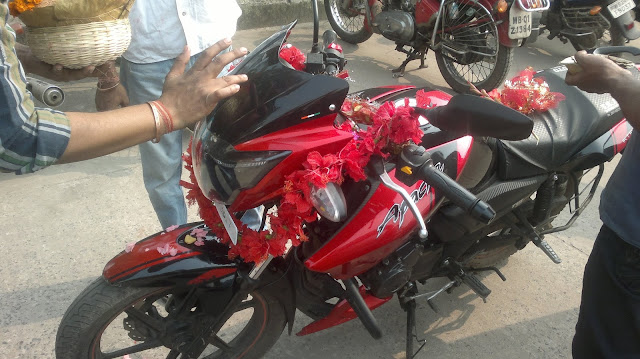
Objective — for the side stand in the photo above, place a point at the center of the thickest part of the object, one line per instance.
(410, 307)
(413, 54)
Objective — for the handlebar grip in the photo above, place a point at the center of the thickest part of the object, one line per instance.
(331, 69)
(44, 92)
(457, 194)
(616, 49)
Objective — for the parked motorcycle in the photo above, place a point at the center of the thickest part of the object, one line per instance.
(485, 186)
(473, 40)
(591, 23)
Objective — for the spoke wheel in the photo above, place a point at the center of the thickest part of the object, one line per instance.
(347, 18)
(110, 322)
(469, 48)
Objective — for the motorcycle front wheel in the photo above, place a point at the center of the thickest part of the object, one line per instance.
(347, 19)
(106, 321)
(469, 50)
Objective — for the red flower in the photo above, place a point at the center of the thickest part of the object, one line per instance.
(422, 100)
(388, 127)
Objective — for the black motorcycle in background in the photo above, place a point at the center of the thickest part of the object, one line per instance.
(588, 24)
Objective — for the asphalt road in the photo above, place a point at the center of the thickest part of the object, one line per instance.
(59, 227)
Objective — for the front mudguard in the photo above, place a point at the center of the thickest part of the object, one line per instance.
(166, 260)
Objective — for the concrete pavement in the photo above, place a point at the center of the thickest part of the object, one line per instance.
(59, 227)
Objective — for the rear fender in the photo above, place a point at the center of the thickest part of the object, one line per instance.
(625, 23)
(165, 259)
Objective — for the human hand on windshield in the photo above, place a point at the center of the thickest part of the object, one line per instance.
(190, 96)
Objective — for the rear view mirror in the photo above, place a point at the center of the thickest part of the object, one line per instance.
(478, 116)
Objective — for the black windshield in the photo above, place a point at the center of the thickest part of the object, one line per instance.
(275, 97)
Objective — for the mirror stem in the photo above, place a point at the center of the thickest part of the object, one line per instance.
(316, 27)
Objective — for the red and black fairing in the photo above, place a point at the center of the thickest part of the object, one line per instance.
(145, 266)
(382, 223)
(252, 140)
(605, 147)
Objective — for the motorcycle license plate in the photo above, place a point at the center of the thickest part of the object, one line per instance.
(620, 7)
(519, 22)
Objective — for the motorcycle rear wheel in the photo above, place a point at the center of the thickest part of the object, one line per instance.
(105, 316)
(349, 25)
(469, 48)
(611, 37)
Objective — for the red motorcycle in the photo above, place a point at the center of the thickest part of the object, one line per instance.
(473, 40)
(472, 178)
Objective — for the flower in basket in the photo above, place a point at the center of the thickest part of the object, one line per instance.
(16, 7)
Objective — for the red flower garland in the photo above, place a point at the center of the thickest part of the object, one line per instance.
(524, 93)
(389, 127)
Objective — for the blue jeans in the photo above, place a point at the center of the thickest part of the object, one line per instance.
(161, 162)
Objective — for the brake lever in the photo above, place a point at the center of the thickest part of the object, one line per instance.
(387, 181)
(616, 49)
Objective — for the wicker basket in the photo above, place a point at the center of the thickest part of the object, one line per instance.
(77, 46)
(52, 13)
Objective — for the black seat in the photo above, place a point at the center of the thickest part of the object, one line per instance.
(562, 131)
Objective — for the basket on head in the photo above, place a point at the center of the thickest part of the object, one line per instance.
(78, 33)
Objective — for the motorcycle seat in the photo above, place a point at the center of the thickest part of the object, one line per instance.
(561, 132)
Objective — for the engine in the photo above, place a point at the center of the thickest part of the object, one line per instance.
(412, 261)
(396, 25)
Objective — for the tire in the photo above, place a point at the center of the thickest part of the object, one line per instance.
(486, 71)
(85, 328)
(350, 26)
(616, 38)
(611, 37)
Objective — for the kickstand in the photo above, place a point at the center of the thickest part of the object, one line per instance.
(410, 307)
(413, 54)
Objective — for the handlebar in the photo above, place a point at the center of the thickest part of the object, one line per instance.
(415, 163)
(44, 92)
(616, 49)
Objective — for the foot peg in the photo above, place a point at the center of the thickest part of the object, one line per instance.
(546, 248)
(476, 285)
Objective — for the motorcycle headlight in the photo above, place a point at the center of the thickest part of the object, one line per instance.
(329, 202)
(222, 171)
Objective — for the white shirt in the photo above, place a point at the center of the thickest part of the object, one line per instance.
(161, 28)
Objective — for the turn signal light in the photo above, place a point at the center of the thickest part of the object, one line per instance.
(503, 6)
(329, 202)
(595, 10)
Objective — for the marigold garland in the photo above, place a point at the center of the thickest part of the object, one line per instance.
(16, 7)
